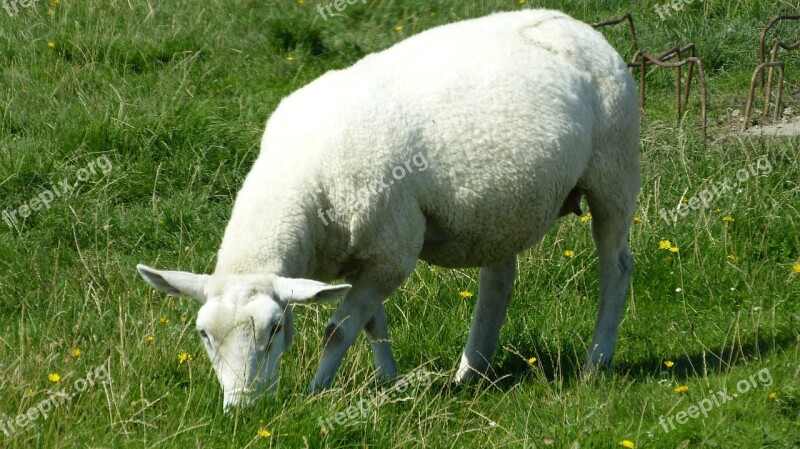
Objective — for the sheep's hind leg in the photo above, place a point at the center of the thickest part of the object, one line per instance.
(611, 222)
(494, 292)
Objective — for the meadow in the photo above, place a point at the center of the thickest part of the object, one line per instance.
(127, 127)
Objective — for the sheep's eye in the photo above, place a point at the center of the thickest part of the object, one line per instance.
(276, 328)
(203, 333)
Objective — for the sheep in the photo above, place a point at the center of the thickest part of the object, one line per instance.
(517, 115)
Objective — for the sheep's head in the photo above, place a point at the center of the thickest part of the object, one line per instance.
(245, 322)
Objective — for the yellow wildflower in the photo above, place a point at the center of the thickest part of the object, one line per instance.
(532, 360)
(465, 294)
(673, 249)
(149, 339)
(76, 352)
(183, 319)
(51, 44)
(727, 218)
(569, 253)
(669, 363)
(398, 28)
(772, 395)
(664, 244)
(681, 389)
(796, 268)
(184, 357)
(636, 219)
(586, 217)
(627, 443)
(263, 433)
(732, 257)
(163, 320)
(521, 2)
(54, 377)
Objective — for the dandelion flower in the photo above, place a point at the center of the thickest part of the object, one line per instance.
(163, 320)
(54, 377)
(569, 253)
(732, 257)
(772, 395)
(532, 360)
(796, 268)
(664, 244)
(673, 249)
(727, 218)
(681, 389)
(183, 319)
(290, 58)
(433, 13)
(76, 352)
(717, 210)
(184, 357)
(149, 339)
(465, 294)
(669, 363)
(51, 44)
(322, 431)
(627, 443)
(301, 2)
(31, 393)
(586, 217)
(263, 433)
(636, 219)
(521, 2)
(398, 28)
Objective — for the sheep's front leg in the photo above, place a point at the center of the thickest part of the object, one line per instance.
(363, 305)
(494, 292)
(378, 333)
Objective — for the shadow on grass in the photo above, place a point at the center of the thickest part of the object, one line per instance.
(564, 364)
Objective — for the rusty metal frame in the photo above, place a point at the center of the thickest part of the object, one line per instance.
(772, 64)
(631, 27)
(641, 60)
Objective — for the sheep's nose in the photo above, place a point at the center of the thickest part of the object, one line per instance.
(235, 398)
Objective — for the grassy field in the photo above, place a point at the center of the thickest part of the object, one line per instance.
(152, 112)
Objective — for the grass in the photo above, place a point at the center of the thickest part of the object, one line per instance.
(175, 94)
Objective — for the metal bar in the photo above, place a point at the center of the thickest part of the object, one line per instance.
(751, 94)
(763, 37)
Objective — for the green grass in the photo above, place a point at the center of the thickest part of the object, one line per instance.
(175, 95)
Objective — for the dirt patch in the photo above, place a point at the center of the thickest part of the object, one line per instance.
(786, 127)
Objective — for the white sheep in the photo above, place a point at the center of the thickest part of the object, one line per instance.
(515, 115)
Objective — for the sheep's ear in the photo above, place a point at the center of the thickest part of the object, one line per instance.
(307, 291)
(175, 283)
